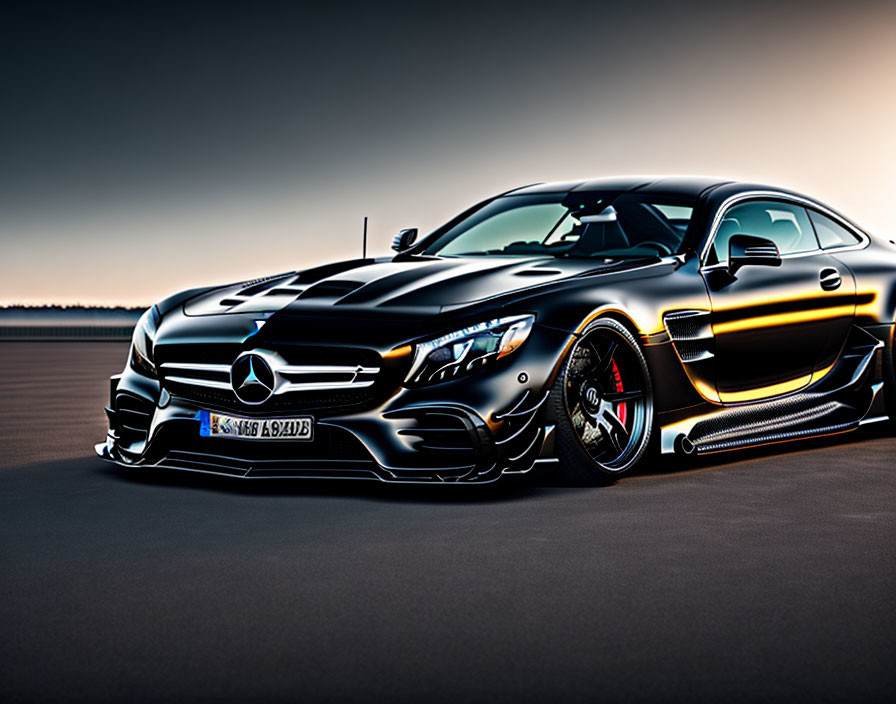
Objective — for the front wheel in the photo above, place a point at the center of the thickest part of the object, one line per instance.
(602, 404)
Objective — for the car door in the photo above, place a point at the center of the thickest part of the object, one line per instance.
(775, 328)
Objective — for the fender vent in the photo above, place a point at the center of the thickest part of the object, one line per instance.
(691, 334)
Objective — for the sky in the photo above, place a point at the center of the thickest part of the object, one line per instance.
(151, 147)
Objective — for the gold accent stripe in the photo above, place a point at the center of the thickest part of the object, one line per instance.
(704, 389)
(775, 389)
(820, 374)
(766, 391)
(765, 321)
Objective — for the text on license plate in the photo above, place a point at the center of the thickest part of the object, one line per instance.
(218, 425)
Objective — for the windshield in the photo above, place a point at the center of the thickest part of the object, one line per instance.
(569, 225)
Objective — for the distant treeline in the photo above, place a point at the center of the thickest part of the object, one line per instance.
(60, 306)
(67, 322)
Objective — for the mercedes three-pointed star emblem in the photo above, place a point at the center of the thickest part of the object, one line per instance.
(252, 378)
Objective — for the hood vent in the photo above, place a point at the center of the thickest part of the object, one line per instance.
(285, 291)
(331, 289)
(250, 288)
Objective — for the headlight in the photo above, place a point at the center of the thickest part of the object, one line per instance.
(143, 340)
(467, 350)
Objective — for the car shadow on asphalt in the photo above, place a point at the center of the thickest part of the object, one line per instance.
(540, 481)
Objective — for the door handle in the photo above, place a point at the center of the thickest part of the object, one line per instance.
(830, 279)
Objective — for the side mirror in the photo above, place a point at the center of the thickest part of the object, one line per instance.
(404, 239)
(749, 250)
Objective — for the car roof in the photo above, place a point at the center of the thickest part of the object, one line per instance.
(712, 192)
(670, 185)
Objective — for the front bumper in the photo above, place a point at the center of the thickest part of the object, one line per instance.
(471, 430)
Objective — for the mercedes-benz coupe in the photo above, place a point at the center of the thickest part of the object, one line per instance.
(596, 323)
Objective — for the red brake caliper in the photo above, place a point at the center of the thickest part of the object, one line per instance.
(617, 379)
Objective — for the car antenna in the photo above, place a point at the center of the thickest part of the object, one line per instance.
(364, 246)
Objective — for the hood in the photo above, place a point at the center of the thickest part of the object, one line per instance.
(415, 286)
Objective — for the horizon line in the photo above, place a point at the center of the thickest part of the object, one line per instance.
(100, 306)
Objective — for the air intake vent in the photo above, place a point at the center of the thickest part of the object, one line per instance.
(440, 432)
(134, 416)
(446, 441)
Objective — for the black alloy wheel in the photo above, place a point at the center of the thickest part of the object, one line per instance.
(602, 403)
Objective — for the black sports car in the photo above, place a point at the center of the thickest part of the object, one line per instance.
(585, 322)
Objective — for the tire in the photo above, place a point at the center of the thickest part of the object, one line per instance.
(602, 405)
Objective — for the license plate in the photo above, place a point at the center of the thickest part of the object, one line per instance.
(217, 425)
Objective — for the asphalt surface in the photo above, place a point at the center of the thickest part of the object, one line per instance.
(767, 576)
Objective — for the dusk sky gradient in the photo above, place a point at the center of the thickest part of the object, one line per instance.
(146, 148)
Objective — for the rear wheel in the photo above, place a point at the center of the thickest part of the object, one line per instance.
(602, 404)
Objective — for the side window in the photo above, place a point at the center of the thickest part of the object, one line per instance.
(830, 234)
(785, 224)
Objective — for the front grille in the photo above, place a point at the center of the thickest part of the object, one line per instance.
(292, 378)
(332, 384)
(220, 399)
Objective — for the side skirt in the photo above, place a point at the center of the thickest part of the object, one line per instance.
(840, 402)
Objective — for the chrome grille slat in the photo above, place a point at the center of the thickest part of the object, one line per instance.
(290, 386)
(291, 377)
(327, 369)
(211, 368)
(194, 381)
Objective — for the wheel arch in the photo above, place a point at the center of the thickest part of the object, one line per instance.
(617, 313)
(627, 320)
(677, 390)
(613, 312)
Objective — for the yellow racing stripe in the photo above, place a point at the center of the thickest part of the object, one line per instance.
(765, 321)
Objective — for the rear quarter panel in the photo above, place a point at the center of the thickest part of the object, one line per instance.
(874, 269)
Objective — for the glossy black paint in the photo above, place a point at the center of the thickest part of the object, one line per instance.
(716, 340)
